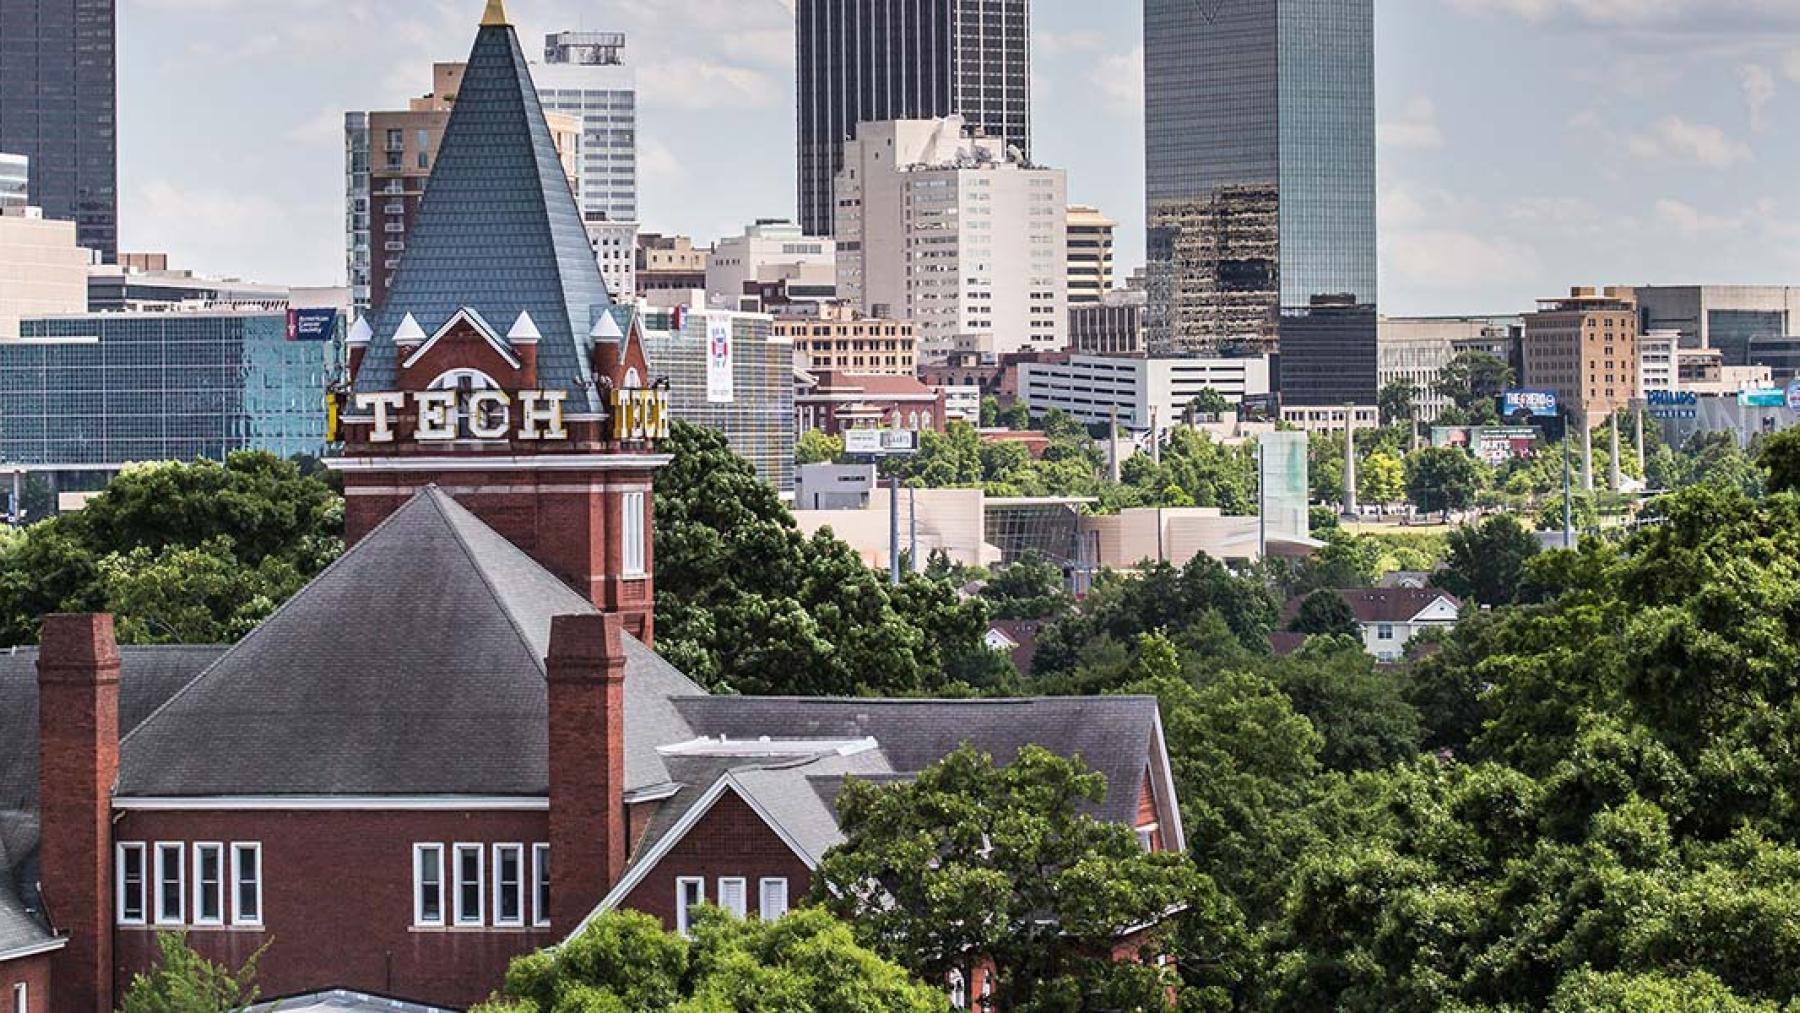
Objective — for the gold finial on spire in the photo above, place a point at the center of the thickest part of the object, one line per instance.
(495, 16)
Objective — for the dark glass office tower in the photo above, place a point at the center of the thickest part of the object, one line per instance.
(862, 61)
(1260, 159)
(57, 107)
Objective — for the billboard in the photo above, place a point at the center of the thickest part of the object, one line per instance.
(879, 442)
(1534, 403)
(1493, 444)
(718, 359)
(311, 324)
(1672, 404)
(1763, 398)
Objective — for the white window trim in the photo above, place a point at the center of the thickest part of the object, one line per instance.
(237, 916)
(418, 883)
(762, 898)
(540, 861)
(743, 889)
(218, 849)
(21, 997)
(681, 907)
(457, 851)
(518, 851)
(635, 528)
(119, 852)
(160, 916)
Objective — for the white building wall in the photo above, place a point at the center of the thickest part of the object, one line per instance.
(768, 252)
(603, 97)
(1090, 388)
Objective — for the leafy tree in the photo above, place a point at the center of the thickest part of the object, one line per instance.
(1442, 479)
(745, 602)
(974, 859)
(1582, 513)
(1325, 466)
(254, 527)
(1487, 560)
(1780, 458)
(1324, 613)
(623, 962)
(1209, 403)
(1031, 588)
(1397, 402)
(815, 446)
(1360, 710)
(1381, 478)
(186, 982)
(1474, 381)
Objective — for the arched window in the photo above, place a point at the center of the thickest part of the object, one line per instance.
(466, 382)
(632, 380)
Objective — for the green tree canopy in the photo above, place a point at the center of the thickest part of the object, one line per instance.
(1325, 613)
(1030, 588)
(623, 962)
(1487, 560)
(183, 981)
(1474, 381)
(1442, 479)
(818, 447)
(1397, 402)
(976, 859)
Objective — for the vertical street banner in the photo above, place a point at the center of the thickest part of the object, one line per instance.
(718, 358)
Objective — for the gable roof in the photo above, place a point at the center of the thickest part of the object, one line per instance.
(147, 677)
(1383, 604)
(498, 230)
(1112, 735)
(414, 665)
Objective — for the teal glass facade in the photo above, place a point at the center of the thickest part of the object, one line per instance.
(104, 390)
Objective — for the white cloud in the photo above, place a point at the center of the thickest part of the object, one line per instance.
(1120, 78)
(1692, 223)
(1048, 43)
(1415, 130)
(1758, 83)
(1675, 138)
(1555, 214)
(1707, 15)
(706, 84)
(1452, 259)
(218, 231)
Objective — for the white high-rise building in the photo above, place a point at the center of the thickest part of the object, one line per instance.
(771, 252)
(615, 247)
(584, 75)
(955, 234)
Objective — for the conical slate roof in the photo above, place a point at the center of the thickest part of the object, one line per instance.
(498, 230)
(414, 665)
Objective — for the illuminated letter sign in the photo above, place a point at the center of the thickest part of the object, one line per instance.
(489, 414)
(640, 414)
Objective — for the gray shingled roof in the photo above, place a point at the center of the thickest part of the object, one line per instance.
(147, 677)
(414, 665)
(1110, 734)
(498, 231)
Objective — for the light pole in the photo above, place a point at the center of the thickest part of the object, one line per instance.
(1568, 503)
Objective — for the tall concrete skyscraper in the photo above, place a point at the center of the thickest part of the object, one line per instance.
(58, 107)
(1260, 161)
(862, 61)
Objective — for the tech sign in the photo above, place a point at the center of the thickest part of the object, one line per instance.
(537, 415)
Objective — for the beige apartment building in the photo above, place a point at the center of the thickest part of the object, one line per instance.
(1585, 348)
(842, 339)
(1090, 254)
(42, 271)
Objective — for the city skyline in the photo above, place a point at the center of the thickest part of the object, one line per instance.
(1643, 148)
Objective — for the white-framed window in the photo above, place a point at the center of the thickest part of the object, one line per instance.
(428, 885)
(1384, 631)
(171, 885)
(209, 884)
(509, 884)
(246, 884)
(21, 998)
(774, 899)
(468, 884)
(130, 862)
(540, 878)
(633, 534)
(690, 893)
(732, 894)
(959, 990)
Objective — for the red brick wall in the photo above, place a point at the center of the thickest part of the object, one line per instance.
(34, 974)
(730, 840)
(338, 905)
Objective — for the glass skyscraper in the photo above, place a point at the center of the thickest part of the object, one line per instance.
(58, 107)
(94, 392)
(1260, 160)
(863, 61)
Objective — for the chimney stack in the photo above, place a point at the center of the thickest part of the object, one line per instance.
(586, 668)
(78, 754)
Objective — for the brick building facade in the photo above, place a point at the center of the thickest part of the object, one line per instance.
(455, 744)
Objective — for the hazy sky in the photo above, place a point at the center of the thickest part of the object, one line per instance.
(1526, 145)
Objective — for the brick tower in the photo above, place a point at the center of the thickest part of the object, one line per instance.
(498, 368)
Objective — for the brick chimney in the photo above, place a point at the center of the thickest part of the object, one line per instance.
(586, 667)
(78, 752)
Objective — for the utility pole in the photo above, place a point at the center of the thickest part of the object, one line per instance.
(894, 529)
